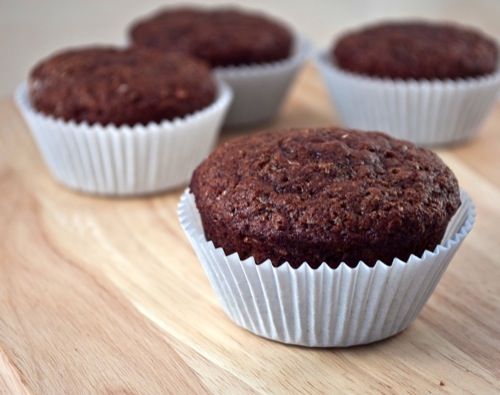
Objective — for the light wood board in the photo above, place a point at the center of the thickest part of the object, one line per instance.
(102, 295)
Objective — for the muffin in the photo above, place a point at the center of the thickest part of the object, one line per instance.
(256, 55)
(326, 236)
(431, 83)
(123, 121)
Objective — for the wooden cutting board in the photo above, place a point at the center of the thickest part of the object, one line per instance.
(102, 295)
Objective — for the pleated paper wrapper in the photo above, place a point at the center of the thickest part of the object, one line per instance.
(125, 161)
(324, 307)
(259, 90)
(427, 112)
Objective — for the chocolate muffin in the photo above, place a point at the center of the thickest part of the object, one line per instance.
(120, 86)
(222, 37)
(324, 195)
(416, 50)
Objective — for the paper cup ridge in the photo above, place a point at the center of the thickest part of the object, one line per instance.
(425, 112)
(324, 307)
(260, 89)
(125, 160)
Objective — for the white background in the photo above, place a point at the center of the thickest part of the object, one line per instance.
(32, 29)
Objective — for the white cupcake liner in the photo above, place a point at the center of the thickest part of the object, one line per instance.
(121, 161)
(425, 112)
(260, 89)
(324, 307)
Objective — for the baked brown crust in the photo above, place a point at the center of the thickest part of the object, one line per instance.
(222, 36)
(120, 86)
(324, 195)
(416, 50)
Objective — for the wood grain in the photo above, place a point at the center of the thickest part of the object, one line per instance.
(106, 296)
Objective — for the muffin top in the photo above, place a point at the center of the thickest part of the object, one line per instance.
(416, 50)
(120, 86)
(222, 37)
(324, 195)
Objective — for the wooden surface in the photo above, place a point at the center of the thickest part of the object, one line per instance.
(106, 296)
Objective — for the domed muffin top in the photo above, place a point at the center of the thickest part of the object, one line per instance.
(120, 86)
(220, 36)
(324, 195)
(416, 50)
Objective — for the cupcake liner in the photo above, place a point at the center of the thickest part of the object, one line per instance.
(125, 160)
(260, 89)
(425, 112)
(324, 307)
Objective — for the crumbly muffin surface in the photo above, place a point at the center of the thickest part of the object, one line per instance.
(120, 86)
(416, 50)
(324, 195)
(222, 37)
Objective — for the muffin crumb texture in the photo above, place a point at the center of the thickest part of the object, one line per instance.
(221, 36)
(120, 86)
(416, 50)
(324, 195)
